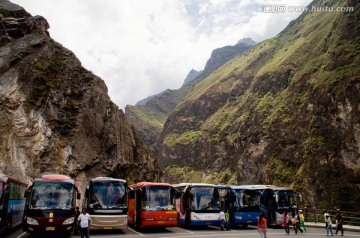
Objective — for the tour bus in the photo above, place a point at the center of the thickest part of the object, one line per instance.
(242, 202)
(106, 202)
(50, 204)
(274, 201)
(151, 205)
(12, 202)
(197, 204)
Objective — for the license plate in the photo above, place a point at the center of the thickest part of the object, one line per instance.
(161, 222)
(248, 221)
(50, 228)
(107, 227)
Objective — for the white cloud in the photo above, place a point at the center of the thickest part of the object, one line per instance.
(142, 47)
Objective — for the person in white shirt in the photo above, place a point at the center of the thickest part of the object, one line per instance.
(84, 223)
(222, 219)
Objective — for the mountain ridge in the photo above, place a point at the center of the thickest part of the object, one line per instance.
(283, 113)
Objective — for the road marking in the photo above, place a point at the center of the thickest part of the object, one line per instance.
(178, 228)
(21, 235)
(135, 232)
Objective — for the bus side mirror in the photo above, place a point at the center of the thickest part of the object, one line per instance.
(276, 197)
(26, 193)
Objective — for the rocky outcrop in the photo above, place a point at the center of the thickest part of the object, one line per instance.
(56, 116)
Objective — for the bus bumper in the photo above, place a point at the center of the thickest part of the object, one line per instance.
(108, 222)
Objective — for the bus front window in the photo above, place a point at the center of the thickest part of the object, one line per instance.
(203, 198)
(108, 195)
(158, 198)
(286, 201)
(51, 196)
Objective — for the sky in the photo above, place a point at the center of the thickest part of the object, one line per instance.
(143, 47)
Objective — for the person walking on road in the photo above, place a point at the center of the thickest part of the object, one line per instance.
(297, 223)
(339, 223)
(84, 222)
(329, 226)
(325, 216)
(285, 223)
(222, 219)
(262, 227)
(302, 220)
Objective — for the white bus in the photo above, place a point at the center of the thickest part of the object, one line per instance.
(197, 204)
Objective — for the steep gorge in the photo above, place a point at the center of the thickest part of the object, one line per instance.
(56, 116)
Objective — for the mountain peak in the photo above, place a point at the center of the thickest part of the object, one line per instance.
(247, 41)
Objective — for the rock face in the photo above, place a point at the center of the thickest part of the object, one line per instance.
(284, 113)
(56, 116)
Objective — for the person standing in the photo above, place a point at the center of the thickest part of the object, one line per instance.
(339, 223)
(285, 223)
(84, 223)
(227, 220)
(262, 227)
(77, 214)
(302, 220)
(222, 219)
(329, 226)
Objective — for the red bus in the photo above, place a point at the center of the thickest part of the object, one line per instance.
(50, 204)
(151, 205)
(12, 202)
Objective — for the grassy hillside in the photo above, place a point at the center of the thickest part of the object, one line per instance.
(287, 113)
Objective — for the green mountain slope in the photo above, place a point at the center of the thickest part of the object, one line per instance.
(285, 113)
(149, 116)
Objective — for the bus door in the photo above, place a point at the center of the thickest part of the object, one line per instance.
(140, 196)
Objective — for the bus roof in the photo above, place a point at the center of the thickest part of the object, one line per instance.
(55, 177)
(272, 187)
(148, 184)
(194, 184)
(5, 178)
(108, 179)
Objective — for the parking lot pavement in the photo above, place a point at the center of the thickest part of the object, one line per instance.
(203, 232)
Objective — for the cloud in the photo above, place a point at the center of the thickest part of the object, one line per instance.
(140, 48)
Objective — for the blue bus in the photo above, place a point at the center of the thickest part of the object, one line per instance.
(12, 202)
(242, 202)
(197, 204)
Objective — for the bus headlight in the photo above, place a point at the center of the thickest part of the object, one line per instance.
(69, 221)
(31, 221)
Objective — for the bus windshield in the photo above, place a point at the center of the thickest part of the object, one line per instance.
(51, 196)
(286, 199)
(247, 199)
(108, 195)
(203, 198)
(157, 198)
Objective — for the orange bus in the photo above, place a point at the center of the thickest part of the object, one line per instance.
(151, 205)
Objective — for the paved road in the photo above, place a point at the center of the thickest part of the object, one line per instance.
(177, 232)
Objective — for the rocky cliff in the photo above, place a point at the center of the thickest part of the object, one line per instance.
(284, 113)
(56, 116)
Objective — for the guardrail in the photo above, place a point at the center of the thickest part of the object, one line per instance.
(317, 216)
